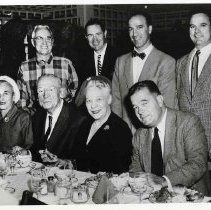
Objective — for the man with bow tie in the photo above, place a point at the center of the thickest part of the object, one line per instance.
(44, 63)
(145, 62)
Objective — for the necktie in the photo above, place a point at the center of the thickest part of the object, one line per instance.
(99, 66)
(49, 128)
(156, 155)
(194, 71)
(140, 55)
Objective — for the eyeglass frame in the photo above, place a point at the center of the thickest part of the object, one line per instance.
(40, 39)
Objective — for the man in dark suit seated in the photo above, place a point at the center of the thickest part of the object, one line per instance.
(172, 146)
(55, 126)
(100, 58)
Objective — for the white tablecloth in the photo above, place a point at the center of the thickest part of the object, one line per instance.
(19, 183)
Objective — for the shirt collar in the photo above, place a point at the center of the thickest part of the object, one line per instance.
(204, 50)
(41, 61)
(147, 51)
(57, 111)
(162, 123)
(102, 53)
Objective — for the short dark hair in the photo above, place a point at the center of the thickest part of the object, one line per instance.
(198, 10)
(149, 84)
(144, 14)
(95, 21)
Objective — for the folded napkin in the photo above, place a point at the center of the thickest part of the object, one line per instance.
(105, 191)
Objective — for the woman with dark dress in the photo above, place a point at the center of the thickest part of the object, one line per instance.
(104, 140)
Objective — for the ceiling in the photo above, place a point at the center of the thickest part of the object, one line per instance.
(133, 7)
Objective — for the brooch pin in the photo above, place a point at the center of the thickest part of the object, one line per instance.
(6, 119)
(107, 127)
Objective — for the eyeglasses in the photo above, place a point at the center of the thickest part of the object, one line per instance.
(41, 91)
(40, 39)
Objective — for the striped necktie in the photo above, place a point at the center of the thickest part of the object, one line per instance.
(49, 128)
(194, 71)
(99, 66)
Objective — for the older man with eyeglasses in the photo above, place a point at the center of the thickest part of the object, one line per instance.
(44, 63)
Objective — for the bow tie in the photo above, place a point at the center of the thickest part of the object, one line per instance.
(140, 55)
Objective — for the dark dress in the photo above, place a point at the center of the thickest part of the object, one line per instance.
(109, 150)
(15, 130)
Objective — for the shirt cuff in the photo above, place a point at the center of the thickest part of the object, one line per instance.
(170, 188)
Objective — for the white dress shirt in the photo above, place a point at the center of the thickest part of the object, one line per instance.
(55, 116)
(203, 56)
(161, 132)
(102, 53)
(138, 63)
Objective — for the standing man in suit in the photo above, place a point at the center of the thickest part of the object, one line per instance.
(172, 146)
(56, 125)
(100, 58)
(144, 62)
(194, 72)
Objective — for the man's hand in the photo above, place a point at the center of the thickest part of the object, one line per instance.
(156, 182)
(47, 156)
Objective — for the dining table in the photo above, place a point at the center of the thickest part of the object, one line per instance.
(12, 188)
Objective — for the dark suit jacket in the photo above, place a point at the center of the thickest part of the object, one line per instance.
(201, 101)
(87, 64)
(185, 156)
(109, 150)
(158, 67)
(63, 135)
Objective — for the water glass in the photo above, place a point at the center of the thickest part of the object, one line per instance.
(11, 163)
(73, 166)
(34, 186)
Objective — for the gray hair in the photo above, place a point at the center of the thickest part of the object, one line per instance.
(38, 27)
(52, 77)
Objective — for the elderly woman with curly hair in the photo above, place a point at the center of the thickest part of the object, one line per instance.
(104, 140)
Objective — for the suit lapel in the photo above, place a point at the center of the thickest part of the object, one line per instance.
(59, 126)
(146, 68)
(106, 60)
(128, 70)
(203, 78)
(147, 136)
(185, 75)
(99, 133)
(170, 134)
(41, 119)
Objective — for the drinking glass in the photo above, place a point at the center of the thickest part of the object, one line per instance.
(11, 163)
(73, 166)
(34, 186)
